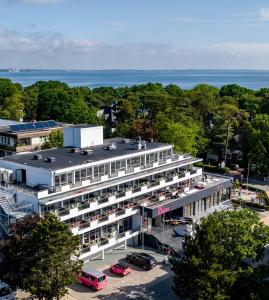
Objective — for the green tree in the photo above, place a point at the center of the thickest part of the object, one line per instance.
(185, 135)
(47, 259)
(54, 140)
(214, 261)
(259, 143)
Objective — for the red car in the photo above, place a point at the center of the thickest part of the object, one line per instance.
(121, 268)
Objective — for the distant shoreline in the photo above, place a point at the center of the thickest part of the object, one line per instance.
(186, 79)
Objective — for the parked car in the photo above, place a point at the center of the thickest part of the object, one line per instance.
(142, 259)
(6, 292)
(93, 278)
(121, 268)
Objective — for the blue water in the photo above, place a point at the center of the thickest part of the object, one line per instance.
(186, 79)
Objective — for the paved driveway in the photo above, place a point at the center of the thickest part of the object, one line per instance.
(140, 284)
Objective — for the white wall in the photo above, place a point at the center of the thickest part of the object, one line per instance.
(83, 137)
(36, 140)
(34, 176)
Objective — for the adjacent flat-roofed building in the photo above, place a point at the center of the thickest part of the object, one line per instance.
(19, 137)
(108, 191)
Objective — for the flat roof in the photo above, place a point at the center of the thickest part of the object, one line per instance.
(64, 158)
(5, 122)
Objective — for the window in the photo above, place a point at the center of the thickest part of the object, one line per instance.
(89, 173)
(77, 176)
(63, 179)
(100, 279)
(95, 172)
(83, 174)
(101, 170)
(85, 275)
(57, 180)
(69, 178)
(113, 167)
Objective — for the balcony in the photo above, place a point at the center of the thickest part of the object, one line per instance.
(84, 205)
(63, 212)
(120, 212)
(103, 218)
(107, 240)
(102, 200)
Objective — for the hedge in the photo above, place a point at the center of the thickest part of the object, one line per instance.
(212, 168)
(250, 204)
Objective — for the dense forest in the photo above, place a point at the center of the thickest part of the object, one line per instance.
(205, 121)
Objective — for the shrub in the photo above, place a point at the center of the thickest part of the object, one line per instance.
(212, 168)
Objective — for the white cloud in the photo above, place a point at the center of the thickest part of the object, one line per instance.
(264, 13)
(55, 51)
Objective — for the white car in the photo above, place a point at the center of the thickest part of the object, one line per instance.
(6, 292)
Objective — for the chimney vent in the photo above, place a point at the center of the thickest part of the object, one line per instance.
(86, 152)
(50, 159)
(37, 156)
(75, 150)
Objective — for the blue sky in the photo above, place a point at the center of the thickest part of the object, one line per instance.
(134, 34)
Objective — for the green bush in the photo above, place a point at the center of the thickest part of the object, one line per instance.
(212, 168)
(250, 204)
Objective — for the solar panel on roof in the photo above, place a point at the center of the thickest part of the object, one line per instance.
(45, 124)
(52, 123)
(39, 125)
(14, 128)
(22, 127)
(29, 126)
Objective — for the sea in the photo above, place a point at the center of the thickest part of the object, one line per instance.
(186, 79)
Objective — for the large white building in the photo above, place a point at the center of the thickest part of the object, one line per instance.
(108, 191)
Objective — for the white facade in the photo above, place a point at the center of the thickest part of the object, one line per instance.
(101, 195)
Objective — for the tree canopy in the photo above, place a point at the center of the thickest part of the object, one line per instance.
(40, 257)
(204, 119)
(214, 265)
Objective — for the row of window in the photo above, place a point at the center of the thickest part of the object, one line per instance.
(111, 168)
(5, 140)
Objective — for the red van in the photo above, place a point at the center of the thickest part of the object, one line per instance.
(93, 278)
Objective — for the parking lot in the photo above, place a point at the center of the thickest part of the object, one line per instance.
(140, 284)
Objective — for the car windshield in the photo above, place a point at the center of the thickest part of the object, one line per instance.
(4, 291)
(102, 278)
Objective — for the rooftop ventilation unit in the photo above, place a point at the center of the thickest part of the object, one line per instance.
(111, 147)
(75, 150)
(125, 141)
(37, 156)
(141, 145)
(86, 152)
(144, 145)
(50, 159)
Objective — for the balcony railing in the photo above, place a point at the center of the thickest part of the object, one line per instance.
(120, 212)
(103, 219)
(84, 205)
(105, 197)
(63, 212)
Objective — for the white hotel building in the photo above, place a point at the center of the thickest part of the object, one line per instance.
(108, 191)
